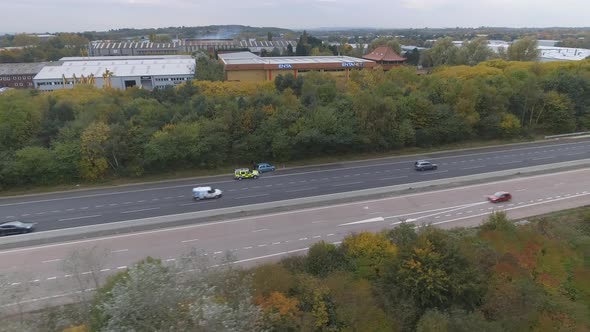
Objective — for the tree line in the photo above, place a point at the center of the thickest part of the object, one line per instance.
(498, 277)
(87, 134)
(33, 49)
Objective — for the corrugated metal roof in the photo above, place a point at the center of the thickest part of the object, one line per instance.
(144, 67)
(21, 68)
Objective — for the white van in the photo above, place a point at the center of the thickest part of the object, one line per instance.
(205, 193)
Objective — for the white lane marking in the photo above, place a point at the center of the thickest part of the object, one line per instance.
(366, 221)
(104, 270)
(85, 273)
(575, 154)
(260, 230)
(68, 275)
(303, 239)
(96, 206)
(155, 199)
(141, 210)
(141, 201)
(519, 190)
(51, 278)
(246, 248)
(180, 196)
(275, 243)
(15, 284)
(169, 197)
(434, 172)
(26, 215)
(318, 222)
(171, 260)
(511, 162)
(473, 167)
(346, 184)
(217, 252)
(84, 208)
(120, 250)
(121, 267)
(52, 261)
(543, 158)
(277, 214)
(439, 210)
(83, 217)
(393, 178)
(331, 234)
(251, 196)
(127, 203)
(9, 217)
(36, 280)
(70, 210)
(187, 241)
(317, 236)
(44, 298)
(271, 255)
(261, 245)
(508, 209)
(304, 189)
(114, 204)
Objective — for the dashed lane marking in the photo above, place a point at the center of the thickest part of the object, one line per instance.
(141, 210)
(83, 217)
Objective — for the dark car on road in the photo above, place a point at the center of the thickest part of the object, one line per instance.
(500, 196)
(424, 165)
(16, 227)
(264, 167)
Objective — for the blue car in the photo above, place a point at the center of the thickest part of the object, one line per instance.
(264, 167)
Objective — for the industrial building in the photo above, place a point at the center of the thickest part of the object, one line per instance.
(147, 72)
(246, 66)
(133, 48)
(19, 75)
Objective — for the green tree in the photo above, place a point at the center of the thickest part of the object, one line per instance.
(392, 43)
(525, 49)
(209, 70)
(473, 52)
(93, 162)
(443, 53)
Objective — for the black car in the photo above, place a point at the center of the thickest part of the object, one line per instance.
(423, 165)
(16, 227)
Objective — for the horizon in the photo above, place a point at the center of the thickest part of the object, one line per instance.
(85, 15)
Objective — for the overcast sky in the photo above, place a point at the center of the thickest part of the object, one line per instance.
(88, 15)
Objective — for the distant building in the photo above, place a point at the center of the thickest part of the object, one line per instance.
(133, 48)
(19, 75)
(385, 57)
(246, 66)
(147, 72)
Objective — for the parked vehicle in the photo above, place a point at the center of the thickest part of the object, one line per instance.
(500, 196)
(200, 193)
(245, 173)
(264, 167)
(424, 165)
(16, 227)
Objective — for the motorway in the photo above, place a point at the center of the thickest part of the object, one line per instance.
(37, 273)
(89, 207)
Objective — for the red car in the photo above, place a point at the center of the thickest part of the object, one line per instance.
(500, 196)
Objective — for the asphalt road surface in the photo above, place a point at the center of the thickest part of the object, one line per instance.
(37, 277)
(88, 207)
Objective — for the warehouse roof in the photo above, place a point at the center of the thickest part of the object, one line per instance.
(21, 68)
(139, 67)
(125, 57)
(247, 58)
